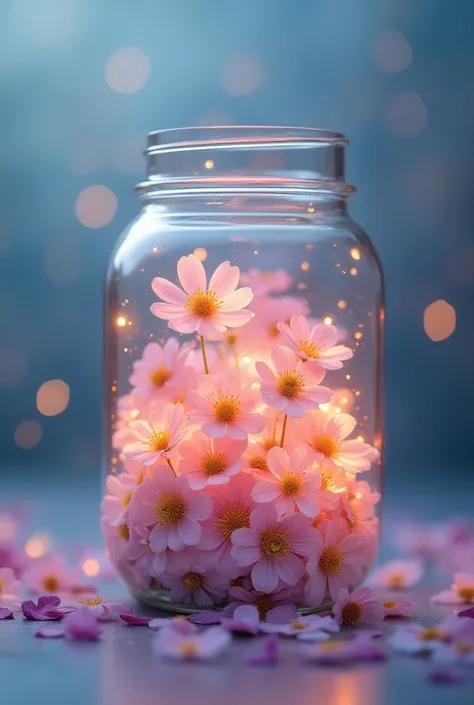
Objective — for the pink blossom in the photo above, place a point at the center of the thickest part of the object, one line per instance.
(9, 588)
(12, 556)
(157, 436)
(174, 510)
(269, 655)
(397, 574)
(200, 646)
(315, 344)
(415, 639)
(290, 482)
(128, 409)
(461, 592)
(116, 503)
(262, 332)
(82, 626)
(226, 405)
(310, 628)
(245, 620)
(232, 507)
(460, 651)
(398, 609)
(274, 548)
(207, 309)
(359, 607)
(291, 388)
(159, 371)
(210, 462)
(140, 553)
(263, 283)
(336, 562)
(342, 651)
(275, 607)
(104, 611)
(326, 435)
(358, 502)
(50, 575)
(191, 580)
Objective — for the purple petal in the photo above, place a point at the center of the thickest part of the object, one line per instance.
(48, 602)
(446, 676)
(5, 613)
(134, 620)
(50, 632)
(205, 617)
(82, 625)
(120, 608)
(269, 655)
(44, 610)
(467, 613)
(237, 626)
(281, 614)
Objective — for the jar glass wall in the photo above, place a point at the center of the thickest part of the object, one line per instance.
(242, 367)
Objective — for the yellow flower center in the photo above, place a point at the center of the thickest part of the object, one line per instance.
(274, 543)
(124, 532)
(226, 409)
(430, 634)
(466, 593)
(264, 604)
(193, 581)
(290, 484)
(126, 497)
(396, 580)
(160, 376)
(463, 648)
(203, 304)
(351, 613)
(92, 601)
(159, 440)
(290, 384)
(188, 649)
(310, 350)
(50, 583)
(213, 464)
(389, 605)
(297, 625)
(330, 647)
(169, 509)
(258, 462)
(231, 519)
(325, 444)
(331, 561)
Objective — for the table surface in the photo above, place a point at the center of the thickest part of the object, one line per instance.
(122, 668)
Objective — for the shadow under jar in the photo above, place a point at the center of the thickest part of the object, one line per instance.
(243, 390)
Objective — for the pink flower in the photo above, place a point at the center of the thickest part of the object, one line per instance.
(46, 610)
(290, 483)
(116, 503)
(245, 620)
(274, 608)
(326, 434)
(226, 406)
(191, 580)
(274, 548)
(263, 283)
(232, 507)
(415, 639)
(159, 371)
(128, 409)
(200, 646)
(140, 553)
(336, 561)
(358, 503)
(174, 510)
(9, 588)
(315, 344)
(262, 332)
(49, 575)
(291, 388)
(459, 651)
(207, 310)
(104, 611)
(341, 651)
(158, 436)
(210, 462)
(359, 607)
(310, 628)
(461, 592)
(397, 575)
(398, 609)
(82, 626)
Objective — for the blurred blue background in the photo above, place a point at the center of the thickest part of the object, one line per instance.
(82, 83)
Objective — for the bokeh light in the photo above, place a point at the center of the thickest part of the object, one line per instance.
(38, 545)
(406, 114)
(52, 397)
(96, 206)
(28, 434)
(13, 368)
(91, 567)
(391, 52)
(242, 74)
(127, 70)
(200, 253)
(439, 320)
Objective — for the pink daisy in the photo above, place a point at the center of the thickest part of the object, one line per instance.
(9, 588)
(359, 607)
(291, 388)
(314, 344)
(232, 507)
(225, 406)
(157, 436)
(290, 483)
(190, 580)
(358, 502)
(210, 462)
(116, 538)
(274, 548)
(274, 607)
(49, 576)
(120, 490)
(398, 609)
(262, 332)
(173, 509)
(336, 561)
(326, 434)
(263, 283)
(415, 638)
(461, 592)
(397, 575)
(140, 553)
(200, 646)
(208, 310)
(128, 409)
(159, 370)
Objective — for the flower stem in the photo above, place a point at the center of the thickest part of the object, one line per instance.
(204, 357)
(283, 431)
(171, 467)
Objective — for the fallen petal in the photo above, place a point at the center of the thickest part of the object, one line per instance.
(269, 656)
(467, 613)
(5, 613)
(134, 620)
(50, 632)
(205, 617)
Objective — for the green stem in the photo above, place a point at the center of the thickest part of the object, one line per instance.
(283, 431)
(171, 467)
(204, 357)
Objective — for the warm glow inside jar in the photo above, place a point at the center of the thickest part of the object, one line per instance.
(243, 397)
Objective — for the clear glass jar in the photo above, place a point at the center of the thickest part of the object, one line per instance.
(243, 389)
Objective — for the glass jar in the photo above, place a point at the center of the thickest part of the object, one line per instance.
(243, 389)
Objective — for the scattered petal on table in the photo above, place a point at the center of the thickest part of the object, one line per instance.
(47, 609)
(269, 655)
(134, 620)
(205, 618)
(82, 626)
(246, 620)
(50, 632)
(5, 613)
(467, 613)
(199, 646)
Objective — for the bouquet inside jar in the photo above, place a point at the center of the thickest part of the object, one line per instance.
(239, 478)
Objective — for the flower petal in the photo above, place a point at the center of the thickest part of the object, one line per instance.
(191, 274)
(168, 291)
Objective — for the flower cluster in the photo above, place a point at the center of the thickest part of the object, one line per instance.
(233, 479)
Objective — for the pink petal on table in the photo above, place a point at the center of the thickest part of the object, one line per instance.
(82, 625)
(133, 620)
(467, 613)
(45, 610)
(50, 632)
(205, 617)
(269, 655)
(5, 613)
